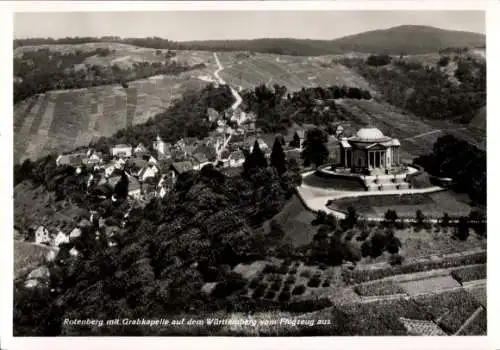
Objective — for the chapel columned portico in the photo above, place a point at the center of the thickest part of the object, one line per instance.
(369, 151)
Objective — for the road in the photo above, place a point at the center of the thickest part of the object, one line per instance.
(221, 81)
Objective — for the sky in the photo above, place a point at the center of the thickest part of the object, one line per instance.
(213, 25)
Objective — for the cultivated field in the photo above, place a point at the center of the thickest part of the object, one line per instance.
(59, 121)
(295, 72)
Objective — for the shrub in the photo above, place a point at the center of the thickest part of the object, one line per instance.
(292, 271)
(290, 280)
(254, 283)
(309, 305)
(283, 269)
(326, 284)
(469, 273)
(270, 269)
(270, 295)
(276, 286)
(395, 259)
(298, 290)
(314, 282)
(259, 292)
(306, 273)
(359, 276)
(284, 296)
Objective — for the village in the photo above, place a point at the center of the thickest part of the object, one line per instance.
(152, 173)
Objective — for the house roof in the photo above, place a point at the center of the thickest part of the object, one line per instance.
(133, 183)
(200, 157)
(112, 181)
(137, 162)
(182, 167)
(122, 145)
(237, 155)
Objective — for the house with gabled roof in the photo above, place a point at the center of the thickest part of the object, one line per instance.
(199, 160)
(121, 150)
(179, 168)
(236, 159)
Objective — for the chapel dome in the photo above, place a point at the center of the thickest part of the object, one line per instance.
(370, 134)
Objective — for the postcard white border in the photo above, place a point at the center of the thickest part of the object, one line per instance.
(492, 341)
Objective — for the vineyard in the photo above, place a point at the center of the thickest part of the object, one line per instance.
(249, 70)
(59, 121)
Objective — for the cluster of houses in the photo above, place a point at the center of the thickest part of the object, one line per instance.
(153, 172)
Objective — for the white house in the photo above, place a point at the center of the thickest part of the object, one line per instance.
(75, 233)
(236, 159)
(148, 171)
(42, 235)
(61, 238)
(121, 150)
(73, 252)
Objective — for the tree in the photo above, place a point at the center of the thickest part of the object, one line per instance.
(315, 151)
(121, 188)
(278, 160)
(391, 217)
(478, 222)
(419, 219)
(445, 220)
(462, 229)
(351, 218)
(258, 156)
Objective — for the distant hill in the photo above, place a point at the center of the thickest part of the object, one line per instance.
(410, 39)
(407, 39)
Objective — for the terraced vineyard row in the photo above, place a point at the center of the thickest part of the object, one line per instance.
(60, 121)
(293, 72)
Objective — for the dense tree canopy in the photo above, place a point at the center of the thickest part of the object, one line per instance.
(276, 109)
(315, 151)
(427, 91)
(43, 70)
(461, 161)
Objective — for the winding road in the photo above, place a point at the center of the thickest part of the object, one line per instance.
(221, 81)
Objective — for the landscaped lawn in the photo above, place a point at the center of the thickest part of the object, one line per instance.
(333, 182)
(431, 204)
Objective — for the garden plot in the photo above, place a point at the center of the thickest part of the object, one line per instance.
(429, 285)
(449, 309)
(477, 326)
(469, 273)
(386, 287)
(431, 204)
(281, 282)
(380, 317)
(479, 293)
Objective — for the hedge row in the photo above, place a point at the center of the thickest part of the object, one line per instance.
(360, 276)
(469, 273)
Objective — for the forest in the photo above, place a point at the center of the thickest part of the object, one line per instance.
(427, 91)
(461, 161)
(43, 70)
(165, 253)
(277, 109)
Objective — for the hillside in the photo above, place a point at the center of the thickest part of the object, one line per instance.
(58, 121)
(410, 39)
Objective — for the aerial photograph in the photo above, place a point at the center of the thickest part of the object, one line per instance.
(249, 173)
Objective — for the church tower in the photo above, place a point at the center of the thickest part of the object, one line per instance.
(159, 145)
